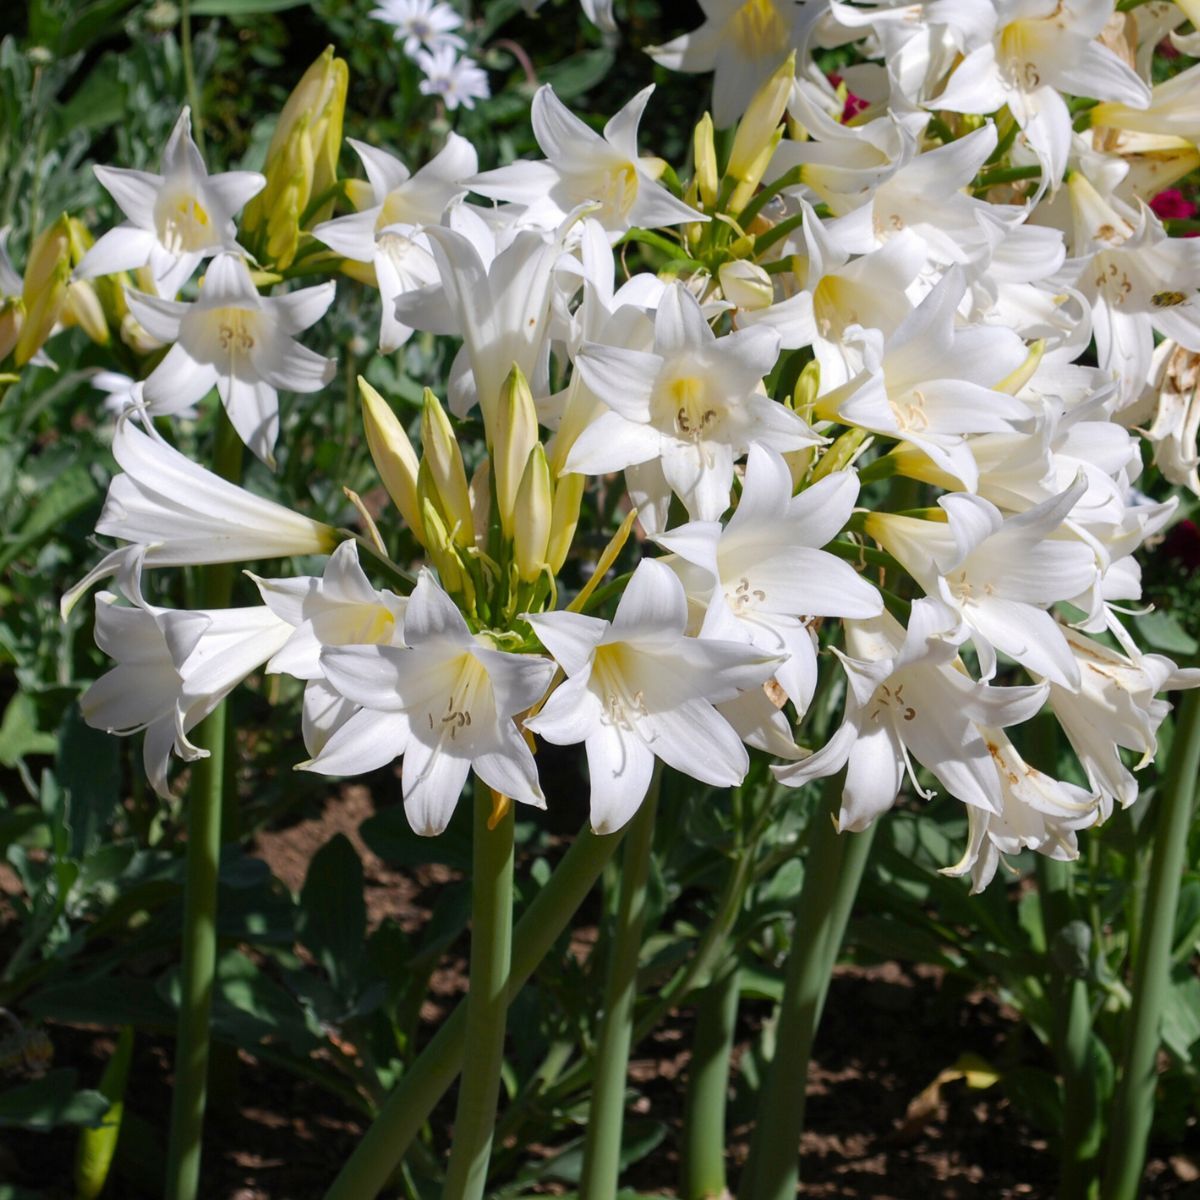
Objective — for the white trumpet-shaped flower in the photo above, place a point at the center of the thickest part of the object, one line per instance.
(582, 167)
(761, 577)
(907, 697)
(175, 220)
(240, 341)
(638, 689)
(446, 701)
(688, 410)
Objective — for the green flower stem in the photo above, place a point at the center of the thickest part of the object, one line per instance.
(834, 867)
(1133, 1105)
(1071, 1038)
(369, 1168)
(202, 859)
(704, 1137)
(602, 1144)
(487, 998)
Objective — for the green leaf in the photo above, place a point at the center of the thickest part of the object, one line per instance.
(333, 914)
(19, 734)
(241, 8)
(88, 769)
(577, 74)
(70, 492)
(1181, 1017)
(389, 835)
(51, 1101)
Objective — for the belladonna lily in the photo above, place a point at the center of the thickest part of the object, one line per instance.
(906, 695)
(1038, 812)
(582, 166)
(760, 576)
(638, 689)
(1113, 706)
(240, 341)
(999, 574)
(172, 669)
(174, 220)
(385, 234)
(183, 515)
(446, 701)
(684, 413)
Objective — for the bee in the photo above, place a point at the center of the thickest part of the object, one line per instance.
(1167, 299)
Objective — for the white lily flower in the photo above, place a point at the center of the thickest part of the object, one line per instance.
(762, 577)
(692, 407)
(743, 42)
(999, 574)
(240, 341)
(1115, 705)
(172, 669)
(907, 696)
(582, 167)
(386, 232)
(183, 515)
(930, 383)
(1038, 812)
(446, 701)
(175, 220)
(1035, 50)
(637, 688)
(1174, 430)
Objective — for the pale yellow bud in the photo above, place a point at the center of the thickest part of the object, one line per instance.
(443, 554)
(440, 452)
(808, 386)
(515, 436)
(532, 516)
(704, 151)
(12, 316)
(393, 455)
(301, 165)
(83, 308)
(44, 290)
(746, 284)
(480, 490)
(758, 132)
(564, 516)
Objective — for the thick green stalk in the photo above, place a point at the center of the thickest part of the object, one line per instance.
(487, 997)
(606, 1119)
(368, 1169)
(1133, 1105)
(704, 1137)
(1072, 1035)
(830, 885)
(202, 859)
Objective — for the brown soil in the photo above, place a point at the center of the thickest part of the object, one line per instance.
(887, 1033)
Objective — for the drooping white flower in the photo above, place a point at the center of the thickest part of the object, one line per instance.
(1174, 410)
(906, 696)
(417, 23)
(742, 42)
(637, 688)
(582, 166)
(386, 232)
(687, 411)
(446, 701)
(456, 81)
(761, 577)
(183, 515)
(175, 219)
(240, 341)
(173, 667)
(1038, 812)
(999, 574)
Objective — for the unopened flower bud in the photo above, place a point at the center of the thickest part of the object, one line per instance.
(44, 291)
(704, 151)
(564, 516)
(515, 436)
(758, 132)
(746, 284)
(532, 516)
(393, 455)
(448, 476)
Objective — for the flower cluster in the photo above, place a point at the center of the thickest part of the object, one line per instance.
(854, 409)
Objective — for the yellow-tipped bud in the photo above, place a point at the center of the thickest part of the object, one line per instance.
(442, 553)
(12, 317)
(480, 490)
(746, 284)
(301, 164)
(532, 516)
(448, 476)
(564, 516)
(758, 132)
(808, 386)
(82, 307)
(515, 436)
(44, 291)
(704, 151)
(393, 455)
